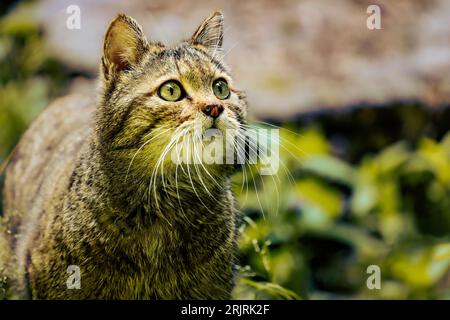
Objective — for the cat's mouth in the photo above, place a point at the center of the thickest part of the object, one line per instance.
(221, 123)
(214, 124)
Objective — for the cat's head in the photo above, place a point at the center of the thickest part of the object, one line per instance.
(153, 95)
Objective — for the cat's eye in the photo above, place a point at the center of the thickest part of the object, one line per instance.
(220, 89)
(171, 91)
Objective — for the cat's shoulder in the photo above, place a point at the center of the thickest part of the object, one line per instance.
(55, 135)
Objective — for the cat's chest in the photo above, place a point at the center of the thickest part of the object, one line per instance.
(166, 270)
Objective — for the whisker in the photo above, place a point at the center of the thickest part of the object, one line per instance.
(244, 176)
(193, 187)
(231, 48)
(207, 172)
(196, 166)
(143, 145)
(256, 189)
(287, 171)
(183, 132)
(154, 172)
(285, 168)
(161, 159)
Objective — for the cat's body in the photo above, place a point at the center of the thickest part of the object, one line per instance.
(84, 189)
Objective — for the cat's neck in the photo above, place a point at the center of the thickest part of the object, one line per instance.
(97, 182)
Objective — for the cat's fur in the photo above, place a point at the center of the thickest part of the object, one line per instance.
(77, 192)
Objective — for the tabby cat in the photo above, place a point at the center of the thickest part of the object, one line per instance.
(91, 185)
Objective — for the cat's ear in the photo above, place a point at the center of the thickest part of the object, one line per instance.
(210, 32)
(123, 46)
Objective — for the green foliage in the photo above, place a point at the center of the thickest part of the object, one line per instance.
(392, 209)
(312, 230)
(29, 76)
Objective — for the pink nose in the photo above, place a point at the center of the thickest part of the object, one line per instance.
(213, 110)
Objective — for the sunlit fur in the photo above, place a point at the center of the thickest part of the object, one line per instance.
(94, 186)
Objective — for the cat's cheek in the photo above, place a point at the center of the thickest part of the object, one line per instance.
(186, 113)
(232, 112)
(233, 99)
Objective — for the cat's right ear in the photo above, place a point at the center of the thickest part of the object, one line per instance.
(210, 33)
(124, 45)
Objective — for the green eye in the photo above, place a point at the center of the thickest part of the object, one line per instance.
(220, 89)
(171, 91)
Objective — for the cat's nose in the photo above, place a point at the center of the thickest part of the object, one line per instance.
(213, 110)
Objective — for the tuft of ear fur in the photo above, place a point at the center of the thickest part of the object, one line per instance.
(210, 32)
(124, 45)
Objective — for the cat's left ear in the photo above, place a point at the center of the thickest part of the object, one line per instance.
(124, 45)
(210, 32)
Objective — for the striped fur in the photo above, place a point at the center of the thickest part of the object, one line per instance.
(77, 189)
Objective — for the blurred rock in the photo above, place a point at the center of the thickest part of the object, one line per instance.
(290, 56)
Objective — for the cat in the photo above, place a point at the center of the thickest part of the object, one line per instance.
(91, 185)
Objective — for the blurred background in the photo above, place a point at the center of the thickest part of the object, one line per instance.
(365, 116)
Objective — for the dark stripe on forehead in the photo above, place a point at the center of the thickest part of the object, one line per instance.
(157, 65)
(182, 51)
(213, 60)
(196, 73)
(193, 67)
(177, 53)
